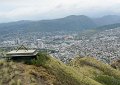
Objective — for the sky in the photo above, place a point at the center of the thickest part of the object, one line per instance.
(14, 10)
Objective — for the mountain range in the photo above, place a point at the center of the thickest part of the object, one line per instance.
(69, 23)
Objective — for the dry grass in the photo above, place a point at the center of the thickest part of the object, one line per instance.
(12, 73)
(66, 75)
(95, 69)
(50, 71)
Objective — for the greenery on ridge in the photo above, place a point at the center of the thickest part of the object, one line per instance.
(46, 70)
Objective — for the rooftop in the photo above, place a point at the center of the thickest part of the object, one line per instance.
(21, 51)
(16, 53)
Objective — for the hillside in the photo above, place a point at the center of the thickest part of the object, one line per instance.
(116, 64)
(49, 71)
(91, 32)
(107, 20)
(69, 23)
(100, 72)
(107, 27)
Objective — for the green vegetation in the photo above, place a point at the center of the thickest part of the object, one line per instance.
(46, 70)
(42, 58)
(65, 75)
(108, 80)
(102, 73)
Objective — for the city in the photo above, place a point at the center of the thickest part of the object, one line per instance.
(104, 46)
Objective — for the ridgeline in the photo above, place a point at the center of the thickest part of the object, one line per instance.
(47, 70)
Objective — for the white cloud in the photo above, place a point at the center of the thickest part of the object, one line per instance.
(32, 9)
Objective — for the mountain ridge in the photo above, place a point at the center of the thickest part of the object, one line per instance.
(50, 71)
(107, 19)
(70, 23)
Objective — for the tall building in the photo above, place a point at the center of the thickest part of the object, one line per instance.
(18, 41)
(34, 39)
(40, 43)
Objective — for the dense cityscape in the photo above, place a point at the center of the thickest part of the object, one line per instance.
(104, 46)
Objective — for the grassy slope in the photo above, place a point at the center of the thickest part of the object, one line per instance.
(12, 73)
(66, 75)
(50, 71)
(97, 70)
(116, 64)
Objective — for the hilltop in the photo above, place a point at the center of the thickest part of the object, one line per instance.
(50, 71)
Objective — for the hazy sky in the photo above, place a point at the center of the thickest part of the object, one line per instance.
(11, 10)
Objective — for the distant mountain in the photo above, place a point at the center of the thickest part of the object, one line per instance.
(69, 23)
(106, 20)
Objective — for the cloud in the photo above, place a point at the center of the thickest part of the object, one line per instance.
(43, 9)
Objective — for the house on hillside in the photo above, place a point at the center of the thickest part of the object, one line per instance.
(22, 53)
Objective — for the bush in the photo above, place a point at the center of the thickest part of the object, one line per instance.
(41, 59)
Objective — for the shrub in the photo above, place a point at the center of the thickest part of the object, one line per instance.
(41, 59)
